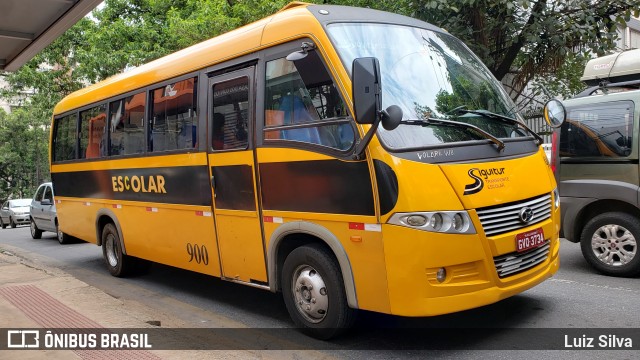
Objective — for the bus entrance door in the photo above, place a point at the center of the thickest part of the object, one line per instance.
(232, 167)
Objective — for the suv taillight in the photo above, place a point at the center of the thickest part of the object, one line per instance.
(554, 150)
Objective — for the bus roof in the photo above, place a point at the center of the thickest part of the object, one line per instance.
(244, 40)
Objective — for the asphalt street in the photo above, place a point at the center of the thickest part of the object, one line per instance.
(577, 297)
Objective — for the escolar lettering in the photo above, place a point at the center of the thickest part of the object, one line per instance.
(144, 184)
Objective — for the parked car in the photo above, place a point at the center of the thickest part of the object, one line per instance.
(14, 212)
(596, 160)
(43, 214)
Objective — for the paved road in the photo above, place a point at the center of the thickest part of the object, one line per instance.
(577, 297)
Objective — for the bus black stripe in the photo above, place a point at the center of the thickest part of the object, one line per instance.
(234, 187)
(322, 186)
(187, 185)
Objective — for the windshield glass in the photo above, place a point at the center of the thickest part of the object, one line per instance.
(19, 203)
(428, 74)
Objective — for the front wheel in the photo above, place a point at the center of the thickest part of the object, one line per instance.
(314, 292)
(118, 263)
(609, 242)
(12, 223)
(35, 232)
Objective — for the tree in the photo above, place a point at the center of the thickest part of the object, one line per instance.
(530, 39)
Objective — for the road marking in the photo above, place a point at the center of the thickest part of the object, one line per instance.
(565, 281)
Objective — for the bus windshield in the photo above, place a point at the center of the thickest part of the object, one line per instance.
(429, 75)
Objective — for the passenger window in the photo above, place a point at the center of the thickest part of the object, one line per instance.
(126, 125)
(302, 93)
(64, 138)
(602, 130)
(173, 124)
(92, 132)
(229, 129)
(39, 194)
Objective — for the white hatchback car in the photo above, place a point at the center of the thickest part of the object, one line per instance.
(14, 212)
(43, 214)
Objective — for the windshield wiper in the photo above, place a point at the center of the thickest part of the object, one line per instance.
(432, 121)
(500, 117)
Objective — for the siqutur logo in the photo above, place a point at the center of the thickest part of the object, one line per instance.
(478, 180)
(477, 184)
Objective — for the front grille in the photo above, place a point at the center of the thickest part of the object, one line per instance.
(500, 219)
(516, 262)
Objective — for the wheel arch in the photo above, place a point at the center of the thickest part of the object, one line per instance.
(294, 234)
(600, 207)
(104, 217)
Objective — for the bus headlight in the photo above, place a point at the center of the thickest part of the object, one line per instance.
(452, 222)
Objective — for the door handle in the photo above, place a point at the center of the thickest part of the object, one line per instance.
(213, 182)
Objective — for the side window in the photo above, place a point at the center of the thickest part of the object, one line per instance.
(230, 114)
(92, 132)
(64, 138)
(126, 125)
(39, 194)
(48, 195)
(603, 130)
(174, 122)
(302, 94)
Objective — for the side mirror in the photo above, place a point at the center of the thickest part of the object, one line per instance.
(46, 202)
(554, 113)
(366, 89)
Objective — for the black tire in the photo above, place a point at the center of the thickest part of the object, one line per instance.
(35, 232)
(609, 242)
(308, 270)
(4, 226)
(63, 238)
(118, 263)
(12, 223)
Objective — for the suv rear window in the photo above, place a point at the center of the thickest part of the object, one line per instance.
(598, 130)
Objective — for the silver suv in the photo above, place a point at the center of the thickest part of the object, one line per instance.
(14, 212)
(43, 214)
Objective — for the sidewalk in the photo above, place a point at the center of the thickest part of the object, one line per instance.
(36, 296)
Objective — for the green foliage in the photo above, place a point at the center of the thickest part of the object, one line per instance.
(530, 39)
(23, 154)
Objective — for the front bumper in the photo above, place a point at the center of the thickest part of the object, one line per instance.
(21, 219)
(414, 258)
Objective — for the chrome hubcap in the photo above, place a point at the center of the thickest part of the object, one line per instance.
(310, 293)
(33, 228)
(112, 258)
(614, 245)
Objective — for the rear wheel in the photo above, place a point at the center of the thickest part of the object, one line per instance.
(35, 232)
(609, 242)
(62, 237)
(118, 263)
(314, 292)
(12, 223)
(4, 226)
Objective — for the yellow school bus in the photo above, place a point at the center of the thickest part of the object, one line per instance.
(349, 158)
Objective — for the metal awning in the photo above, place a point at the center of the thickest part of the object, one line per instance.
(28, 26)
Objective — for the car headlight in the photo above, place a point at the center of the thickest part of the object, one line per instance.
(556, 198)
(452, 222)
